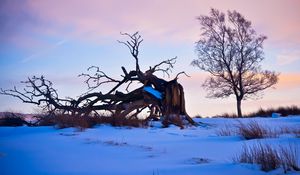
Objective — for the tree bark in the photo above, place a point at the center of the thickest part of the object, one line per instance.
(239, 109)
(173, 105)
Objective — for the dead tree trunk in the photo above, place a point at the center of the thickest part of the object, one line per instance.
(163, 99)
(174, 105)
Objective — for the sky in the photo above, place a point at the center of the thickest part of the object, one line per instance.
(61, 38)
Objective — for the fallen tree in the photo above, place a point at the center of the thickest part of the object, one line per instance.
(160, 98)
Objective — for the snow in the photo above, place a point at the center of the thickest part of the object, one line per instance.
(152, 91)
(123, 150)
(275, 115)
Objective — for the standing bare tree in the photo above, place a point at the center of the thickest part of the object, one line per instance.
(231, 51)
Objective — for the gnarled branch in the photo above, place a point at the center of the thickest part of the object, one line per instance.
(155, 94)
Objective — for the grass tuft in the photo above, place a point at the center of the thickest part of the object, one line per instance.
(269, 157)
(262, 154)
(253, 130)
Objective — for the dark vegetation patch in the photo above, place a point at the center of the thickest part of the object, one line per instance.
(282, 111)
(61, 121)
(65, 121)
(12, 119)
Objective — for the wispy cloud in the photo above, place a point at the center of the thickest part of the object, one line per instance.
(288, 81)
(43, 52)
(169, 19)
(286, 58)
(160, 21)
(60, 42)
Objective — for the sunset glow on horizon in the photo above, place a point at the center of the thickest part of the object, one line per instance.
(61, 38)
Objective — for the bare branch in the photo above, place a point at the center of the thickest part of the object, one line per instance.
(169, 65)
(177, 76)
(133, 46)
(97, 78)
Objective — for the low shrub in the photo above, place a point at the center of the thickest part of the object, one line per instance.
(123, 121)
(226, 115)
(12, 119)
(198, 116)
(67, 121)
(283, 111)
(44, 120)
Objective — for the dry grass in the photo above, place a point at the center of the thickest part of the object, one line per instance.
(66, 121)
(81, 122)
(289, 157)
(226, 115)
(253, 130)
(117, 121)
(248, 130)
(226, 130)
(270, 157)
(296, 132)
(261, 154)
(290, 130)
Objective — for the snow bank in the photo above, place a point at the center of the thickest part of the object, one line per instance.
(120, 151)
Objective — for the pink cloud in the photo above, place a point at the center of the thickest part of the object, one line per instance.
(289, 81)
(287, 58)
(166, 19)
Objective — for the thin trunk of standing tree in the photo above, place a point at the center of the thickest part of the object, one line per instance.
(239, 108)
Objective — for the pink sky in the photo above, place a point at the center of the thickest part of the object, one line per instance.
(40, 28)
(278, 18)
(169, 19)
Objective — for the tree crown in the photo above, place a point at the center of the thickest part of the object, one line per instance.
(231, 51)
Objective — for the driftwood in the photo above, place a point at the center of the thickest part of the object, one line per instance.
(162, 99)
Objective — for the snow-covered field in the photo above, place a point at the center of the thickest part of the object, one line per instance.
(107, 150)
